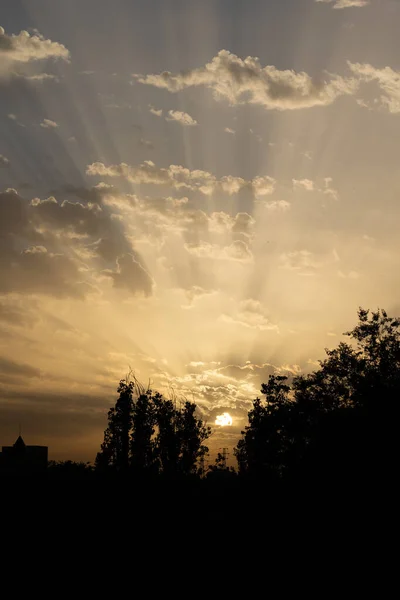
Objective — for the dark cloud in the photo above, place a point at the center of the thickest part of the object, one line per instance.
(105, 234)
(93, 194)
(131, 276)
(35, 270)
(42, 241)
(13, 213)
(9, 370)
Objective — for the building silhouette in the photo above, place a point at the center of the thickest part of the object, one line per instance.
(21, 458)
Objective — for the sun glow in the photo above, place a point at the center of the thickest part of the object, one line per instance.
(224, 420)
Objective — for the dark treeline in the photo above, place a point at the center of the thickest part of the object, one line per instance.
(334, 429)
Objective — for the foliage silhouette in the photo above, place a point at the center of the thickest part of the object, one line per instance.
(150, 436)
(115, 447)
(336, 423)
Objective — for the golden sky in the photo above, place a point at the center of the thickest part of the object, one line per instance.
(202, 192)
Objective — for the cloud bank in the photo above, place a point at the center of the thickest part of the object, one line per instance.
(24, 48)
(179, 177)
(247, 82)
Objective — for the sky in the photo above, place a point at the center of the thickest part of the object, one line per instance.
(201, 193)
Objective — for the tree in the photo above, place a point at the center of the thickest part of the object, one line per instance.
(114, 450)
(141, 435)
(150, 435)
(179, 439)
(261, 451)
(341, 417)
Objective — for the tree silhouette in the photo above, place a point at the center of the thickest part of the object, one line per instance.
(141, 435)
(114, 450)
(265, 440)
(179, 441)
(340, 419)
(150, 435)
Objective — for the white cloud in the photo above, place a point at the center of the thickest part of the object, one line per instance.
(48, 124)
(179, 177)
(40, 77)
(246, 81)
(329, 190)
(387, 79)
(181, 117)
(4, 162)
(303, 184)
(338, 4)
(24, 48)
(276, 205)
(237, 251)
(229, 130)
(155, 111)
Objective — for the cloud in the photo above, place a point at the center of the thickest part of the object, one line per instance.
(24, 48)
(250, 314)
(48, 124)
(181, 117)
(131, 275)
(229, 130)
(55, 248)
(387, 79)
(90, 223)
(13, 117)
(156, 112)
(179, 177)
(345, 3)
(146, 144)
(243, 224)
(247, 82)
(40, 77)
(36, 270)
(306, 262)
(303, 184)
(4, 162)
(10, 369)
(237, 251)
(94, 195)
(329, 190)
(12, 315)
(276, 205)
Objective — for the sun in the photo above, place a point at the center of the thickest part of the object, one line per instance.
(224, 420)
